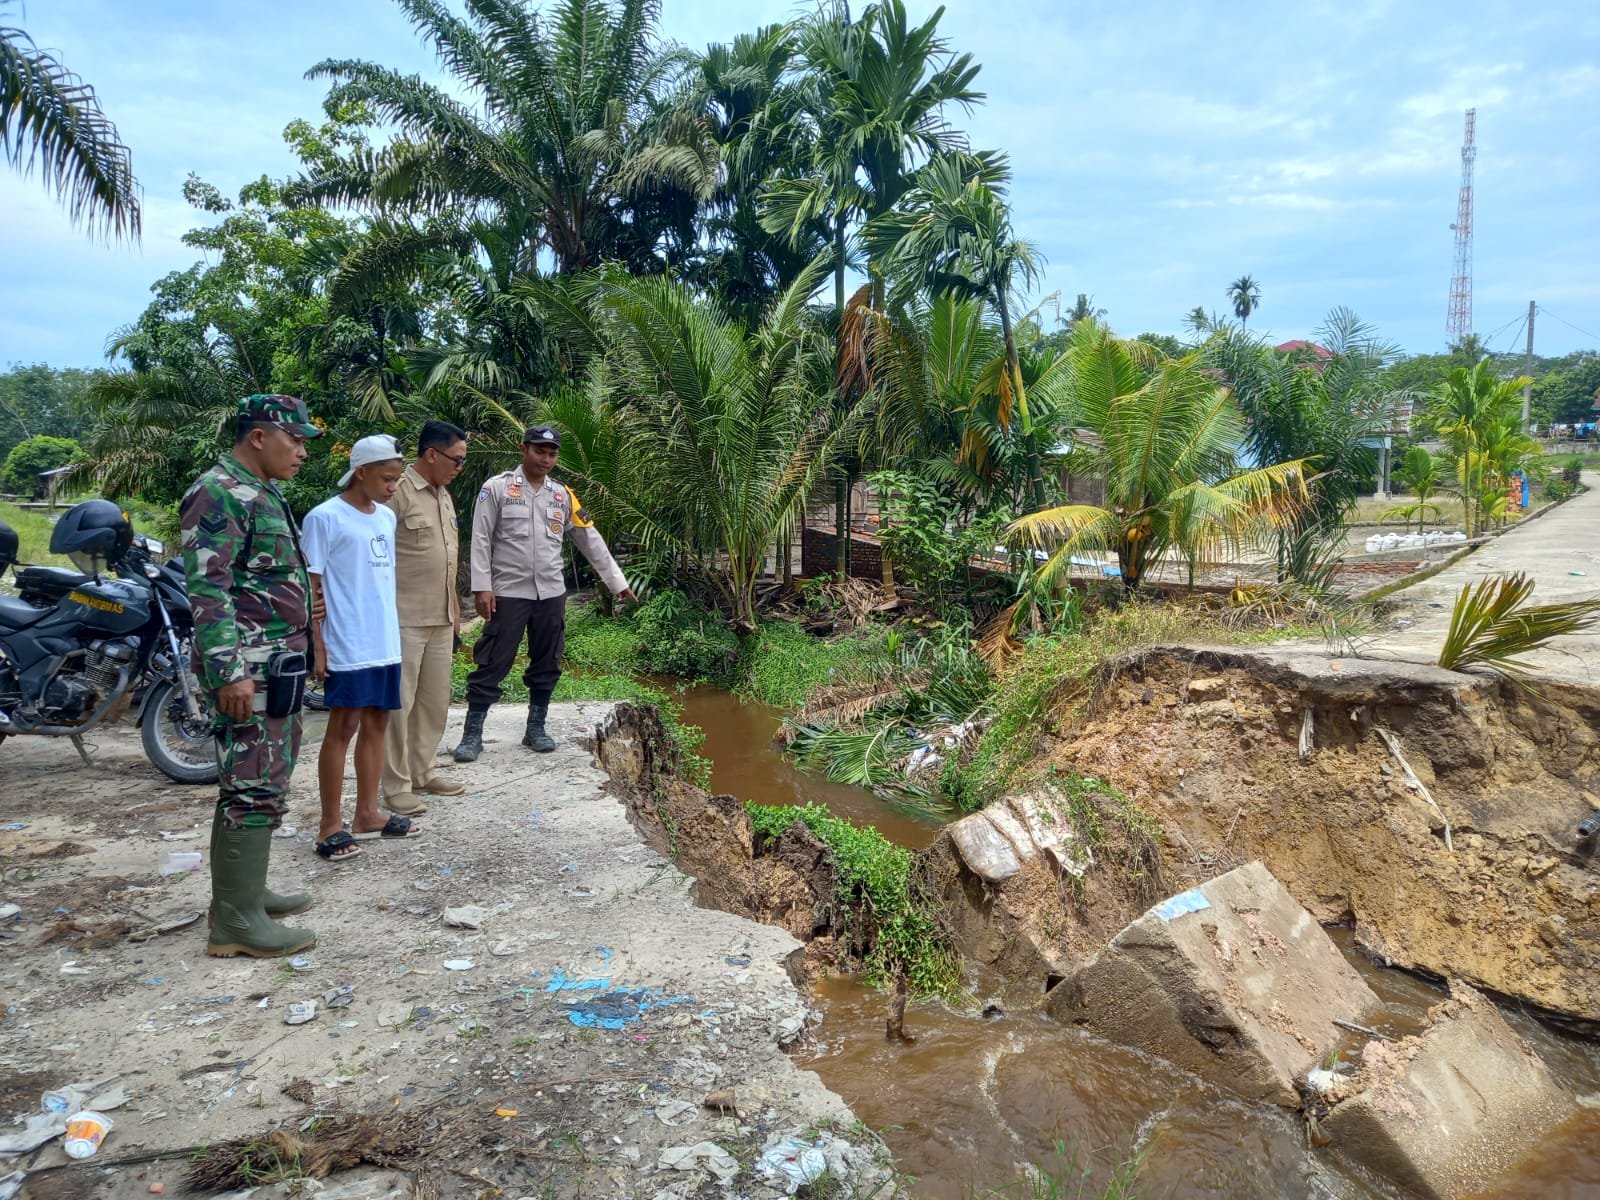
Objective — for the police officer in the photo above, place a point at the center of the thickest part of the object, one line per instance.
(251, 599)
(518, 525)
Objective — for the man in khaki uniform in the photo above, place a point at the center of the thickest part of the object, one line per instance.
(426, 552)
(519, 524)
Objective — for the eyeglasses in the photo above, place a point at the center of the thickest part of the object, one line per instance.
(459, 462)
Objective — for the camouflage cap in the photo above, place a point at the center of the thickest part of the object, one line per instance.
(289, 412)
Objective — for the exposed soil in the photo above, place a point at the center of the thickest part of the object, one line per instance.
(1207, 743)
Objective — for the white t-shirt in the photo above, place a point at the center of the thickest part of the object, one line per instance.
(353, 551)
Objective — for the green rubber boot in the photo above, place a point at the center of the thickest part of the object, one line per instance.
(274, 904)
(238, 881)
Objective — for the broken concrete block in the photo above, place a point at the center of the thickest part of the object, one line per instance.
(1447, 1112)
(1233, 980)
(986, 851)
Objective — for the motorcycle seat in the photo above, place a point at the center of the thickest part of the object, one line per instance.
(51, 583)
(19, 614)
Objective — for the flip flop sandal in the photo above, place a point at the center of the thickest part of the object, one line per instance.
(395, 827)
(338, 847)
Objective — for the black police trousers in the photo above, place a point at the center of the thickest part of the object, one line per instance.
(545, 622)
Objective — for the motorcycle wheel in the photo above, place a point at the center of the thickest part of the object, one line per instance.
(183, 750)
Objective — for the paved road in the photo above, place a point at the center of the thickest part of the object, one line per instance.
(1550, 549)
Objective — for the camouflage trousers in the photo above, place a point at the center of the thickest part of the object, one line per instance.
(255, 761)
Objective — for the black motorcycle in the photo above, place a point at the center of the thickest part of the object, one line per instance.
(79, 650)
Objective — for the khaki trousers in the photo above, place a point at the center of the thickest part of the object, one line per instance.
(417, 729)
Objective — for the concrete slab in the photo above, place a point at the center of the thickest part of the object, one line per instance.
(1559, 550)
(1233, 980)
(1452, 1110)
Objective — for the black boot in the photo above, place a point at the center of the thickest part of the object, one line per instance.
(535, 738)
(471, 737)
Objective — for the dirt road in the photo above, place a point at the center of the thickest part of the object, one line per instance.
(564, 1048)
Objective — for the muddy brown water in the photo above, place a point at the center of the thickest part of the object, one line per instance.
(972, 1100)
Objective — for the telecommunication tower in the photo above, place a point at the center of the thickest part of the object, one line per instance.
(1459, 322)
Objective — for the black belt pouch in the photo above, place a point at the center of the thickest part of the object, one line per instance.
(286, 683)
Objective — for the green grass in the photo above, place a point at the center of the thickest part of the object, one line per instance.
(875, 887)
(33, 532)
(786, 664)
(1074, 1177)
(1040, 685)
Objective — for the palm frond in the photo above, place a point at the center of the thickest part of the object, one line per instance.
(51, 119)
(1493, 622)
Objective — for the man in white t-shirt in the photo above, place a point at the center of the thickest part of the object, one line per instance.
(349, 547)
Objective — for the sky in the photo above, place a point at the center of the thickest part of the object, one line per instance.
(1159, 151)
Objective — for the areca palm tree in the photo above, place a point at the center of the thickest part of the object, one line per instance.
(51, 119)
(1165, 446)
(572, 150)
(1479, 417)
(952, 235)
(1244, 293)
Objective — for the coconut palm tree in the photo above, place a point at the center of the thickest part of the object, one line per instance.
(51, 119)
(1245, 295)
(1164, 447)
(719, 429)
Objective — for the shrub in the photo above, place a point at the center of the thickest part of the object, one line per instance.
(20, 474)
(675, 637)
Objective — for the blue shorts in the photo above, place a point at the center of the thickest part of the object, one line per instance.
(366, 687)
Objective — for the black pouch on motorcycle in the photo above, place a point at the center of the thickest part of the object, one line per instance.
(286, 683)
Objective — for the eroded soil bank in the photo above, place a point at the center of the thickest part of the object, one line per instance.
(1280, 756)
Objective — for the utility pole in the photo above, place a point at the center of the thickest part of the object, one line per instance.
(1527, 370)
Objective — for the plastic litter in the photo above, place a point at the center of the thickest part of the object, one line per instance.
(12, 1184)
(7, 911)
(795, 1162)
(180, 862)
(286, 831)
(339, 997)
(85, 1131)
(702, 1155)
(675, 1112)
(618, 1009)
(459, 964)
(300, 1011)
(301, 963)
(14, 826)
(72, 968)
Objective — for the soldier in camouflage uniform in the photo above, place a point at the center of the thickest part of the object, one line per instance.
(251, 599)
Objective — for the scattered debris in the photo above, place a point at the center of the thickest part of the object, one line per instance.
(467, 916)
(336, 1142)
(795, 1162)
(300, 1011)
(180, 862)
(459, 964)
(339, 997)
(702, 1155)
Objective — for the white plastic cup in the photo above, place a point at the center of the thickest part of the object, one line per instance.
(85, 1131)
(180, 862)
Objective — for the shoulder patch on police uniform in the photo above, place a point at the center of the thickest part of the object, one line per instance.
(580, 515)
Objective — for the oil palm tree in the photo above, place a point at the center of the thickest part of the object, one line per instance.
(1421, 474)
(1244, 293)
(51, 119)
(572, 150)
(1165, 447)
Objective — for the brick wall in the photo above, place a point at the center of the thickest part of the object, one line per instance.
(819, 548)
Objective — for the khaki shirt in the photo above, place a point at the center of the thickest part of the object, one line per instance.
(427, 550)
(517, 530)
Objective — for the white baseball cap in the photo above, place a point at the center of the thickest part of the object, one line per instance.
(374, 448)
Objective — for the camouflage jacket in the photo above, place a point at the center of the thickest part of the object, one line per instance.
(247, 578)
